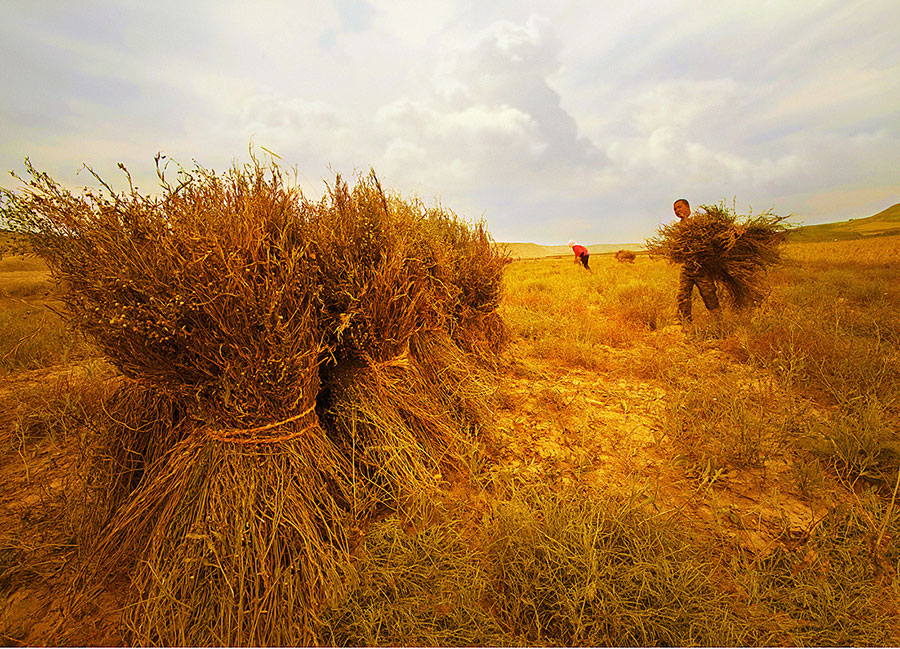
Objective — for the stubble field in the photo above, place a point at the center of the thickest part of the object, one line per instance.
(734, 483)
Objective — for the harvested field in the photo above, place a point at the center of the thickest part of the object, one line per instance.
(610, 477)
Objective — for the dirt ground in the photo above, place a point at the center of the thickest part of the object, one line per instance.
(570, 425)
(558, 424)
(36, 523)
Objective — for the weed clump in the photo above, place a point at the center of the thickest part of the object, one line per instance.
(733, 250)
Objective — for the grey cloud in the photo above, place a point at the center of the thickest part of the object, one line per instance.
(511, 65)
(46, 80)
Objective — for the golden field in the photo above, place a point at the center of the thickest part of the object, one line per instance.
(734, 483)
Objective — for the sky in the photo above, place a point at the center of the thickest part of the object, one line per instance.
(550, 121)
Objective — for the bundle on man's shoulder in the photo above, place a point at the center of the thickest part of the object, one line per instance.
(734, 250)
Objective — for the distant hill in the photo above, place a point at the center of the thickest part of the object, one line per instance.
(881, 224)
(536, 251)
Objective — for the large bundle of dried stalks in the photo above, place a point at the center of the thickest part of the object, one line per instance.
(390, 291)
(289, 365)
(475, 265)
(733, 250)
(381, 275)
(232, 499)
(208, 291)
(371, 244)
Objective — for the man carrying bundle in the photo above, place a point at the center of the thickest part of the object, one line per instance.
(581, 253)
(693, 275)
(719, 249)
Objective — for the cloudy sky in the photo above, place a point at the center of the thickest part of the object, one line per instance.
(549, 120)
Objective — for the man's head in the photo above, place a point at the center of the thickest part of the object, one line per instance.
(682, 208)
(572, 243)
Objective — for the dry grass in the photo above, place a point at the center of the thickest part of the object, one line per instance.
(572, 568)
(18, 284)
(417, 588)
(558, 314)
(812, 397)
(32, 337)
(714, 426)
(831, 591)
(42, 509)
(575, 570)
(625, 256)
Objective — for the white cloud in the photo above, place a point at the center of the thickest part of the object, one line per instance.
(501, 126)
(685, 103)
(293, 115)
(582, 121)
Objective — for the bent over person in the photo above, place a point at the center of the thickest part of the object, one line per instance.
(581, 253)
(692, 275)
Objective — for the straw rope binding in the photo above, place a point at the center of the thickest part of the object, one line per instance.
(248, 435)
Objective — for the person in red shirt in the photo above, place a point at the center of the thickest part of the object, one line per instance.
(581, 253)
